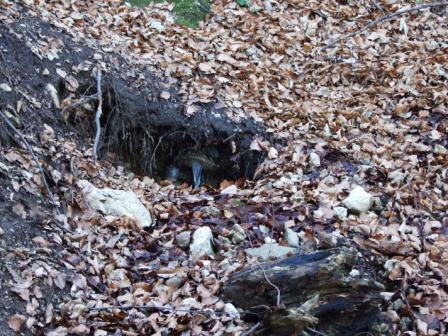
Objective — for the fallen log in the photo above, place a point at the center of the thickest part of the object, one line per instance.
(330, 291)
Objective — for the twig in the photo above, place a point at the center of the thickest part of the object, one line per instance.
(421, 227)
(80, 102)
(164, 310)
(278, 301)
(316, 332)
(384, 19)
(30, 150)
(152, 160)
(272, 285)
(98, 114)
(251, 330)
(73, 168)
(270, 246)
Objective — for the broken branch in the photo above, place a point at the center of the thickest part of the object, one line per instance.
(384, 19)
(80, 102)
(98, 114)
(33, 155)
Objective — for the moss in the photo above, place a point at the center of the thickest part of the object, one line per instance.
(188, 12)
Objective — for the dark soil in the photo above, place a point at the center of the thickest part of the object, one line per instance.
(142, 130)
(17, 249)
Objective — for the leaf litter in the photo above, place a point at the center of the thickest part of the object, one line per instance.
(372, 109)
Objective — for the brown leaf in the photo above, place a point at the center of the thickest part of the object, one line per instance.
(19, 210)
(16, 322)
(165, 95)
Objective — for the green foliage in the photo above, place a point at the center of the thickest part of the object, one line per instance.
(188, 12)
(139, 3)
(242, 3)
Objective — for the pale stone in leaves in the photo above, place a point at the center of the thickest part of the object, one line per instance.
(359, 200)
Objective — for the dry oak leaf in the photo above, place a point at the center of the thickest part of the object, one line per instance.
(165, 95)
(16, 322)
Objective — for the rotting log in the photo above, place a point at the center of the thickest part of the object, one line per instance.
(330, 291)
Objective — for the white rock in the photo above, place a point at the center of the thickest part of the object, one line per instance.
(202, 243)
(270, 251)
(116, 203)
(291, 238)
(2, 232)
(45, 72)
(54, 95)
(396, 176)
(327, 131)
(230, 190)
(439, 149)
(340, 213)
(314, 160)
(272, 153)
(263, 229)
(269, 240)
(359, 200)
(177, 280)
(211, 210)
(191, 302)
(237, 234)
(5, 87)
(157, 26)
(230, 310)
(118, 278)
(183, 238)
(354, 273)
(387, 295)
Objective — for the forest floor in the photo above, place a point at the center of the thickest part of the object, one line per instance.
(334, 107)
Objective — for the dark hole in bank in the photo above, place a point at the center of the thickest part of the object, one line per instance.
(154, 138)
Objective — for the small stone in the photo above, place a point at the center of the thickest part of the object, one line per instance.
(147, 181)
(219, 306)
(387, 295)
(183, 238)
(354, 273)
(327, 131)
(202, 243)
(177, 280)
(191, 302)
(269, 240)
(396, 177)
(224, 240)
(157, 26)
(359, 200)
(2, 232)
(230, 310)
(230, 190)
(254, 9)
(45, 72)
(291, 238)
(118, 279)
(340, 213)
(237, 234)
(377, 205)
(5, 87)
(263, 229)
(270, 251)
(211, 210)
(54, 95)
(441, 150)
(272, 153)
(314, 160)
